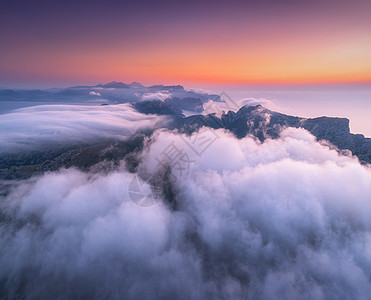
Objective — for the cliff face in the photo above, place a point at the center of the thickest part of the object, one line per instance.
(263, 123)
(335, 130)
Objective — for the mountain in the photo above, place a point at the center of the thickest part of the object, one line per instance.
(158, 107)
(264, 123)
(113, 93)
(166, 87)
(136, 85)
(255, 121)
(114, 85)
(170, 106)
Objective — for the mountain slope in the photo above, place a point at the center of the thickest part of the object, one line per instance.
(264, 123)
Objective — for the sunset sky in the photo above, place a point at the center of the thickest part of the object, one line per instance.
(49, 43)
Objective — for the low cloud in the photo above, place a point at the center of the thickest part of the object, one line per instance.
(45, 125)
(268, 103)
(162, 96)
(286, 219)
(227, 103)
(95, 93)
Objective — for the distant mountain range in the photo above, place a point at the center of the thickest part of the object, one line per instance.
(256, 121)
(109, 93)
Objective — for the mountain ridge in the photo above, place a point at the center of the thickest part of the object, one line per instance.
(264, 123)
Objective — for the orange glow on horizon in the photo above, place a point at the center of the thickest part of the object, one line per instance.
(228, 53)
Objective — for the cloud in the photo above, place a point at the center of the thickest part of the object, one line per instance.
(94, 93)
(268, 103)
(156, 96)
(228, 104)
(201, 91)
(38, 126)
(286, 219)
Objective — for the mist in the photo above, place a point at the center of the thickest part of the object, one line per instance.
(41, 126)
(284, 219)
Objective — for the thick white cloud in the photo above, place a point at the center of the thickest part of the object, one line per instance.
(156, 96)
(94, 93)
(268, 103)
(286, 219)
(226, 104)
(32, 127)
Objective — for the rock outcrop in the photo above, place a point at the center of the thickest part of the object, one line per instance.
(264, 123)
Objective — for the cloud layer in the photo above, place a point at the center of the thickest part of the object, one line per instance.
(162, 96)
(286, 219)
(44, 125)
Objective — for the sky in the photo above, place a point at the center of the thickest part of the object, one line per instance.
(231, 42)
